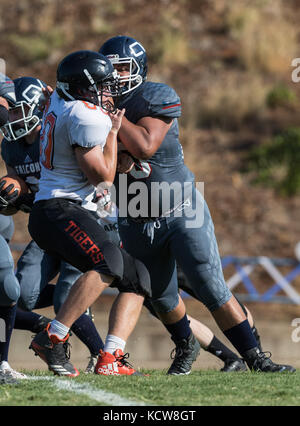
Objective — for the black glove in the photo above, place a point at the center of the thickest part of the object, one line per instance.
(24, 202)
(7, 199)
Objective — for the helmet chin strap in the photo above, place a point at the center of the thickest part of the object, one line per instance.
(63, 86)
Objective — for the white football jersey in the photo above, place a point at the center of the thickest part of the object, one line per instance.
(65, 125)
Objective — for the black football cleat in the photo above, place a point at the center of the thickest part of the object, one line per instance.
(41, 324)
(54, 352)
(257, 337)
(184, 354)
(260, 361)
(234, 365)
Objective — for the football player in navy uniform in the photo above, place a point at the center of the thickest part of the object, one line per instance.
(181, 231)
(9, 286)
(20, 151)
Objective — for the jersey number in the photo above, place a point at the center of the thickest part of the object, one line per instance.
(47, 141)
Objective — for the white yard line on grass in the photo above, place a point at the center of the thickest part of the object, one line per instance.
(98, 395)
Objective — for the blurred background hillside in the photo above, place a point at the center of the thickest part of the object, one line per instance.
(230, 61)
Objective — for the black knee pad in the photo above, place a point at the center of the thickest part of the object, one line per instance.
(136, 278)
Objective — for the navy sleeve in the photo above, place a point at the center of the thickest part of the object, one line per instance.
(163, 101)
(7, 89)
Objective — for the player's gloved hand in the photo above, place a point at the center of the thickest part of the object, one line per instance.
(7, 199)
(24, 202)
(103, 200)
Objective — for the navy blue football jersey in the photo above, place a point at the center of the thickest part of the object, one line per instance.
(24, 159)
(167, 164)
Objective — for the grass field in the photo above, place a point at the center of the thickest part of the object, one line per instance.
(201, 388)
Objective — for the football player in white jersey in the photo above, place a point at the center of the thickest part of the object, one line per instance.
(79, 152)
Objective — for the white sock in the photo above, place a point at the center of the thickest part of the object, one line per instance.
(59, 329)
(112, 343)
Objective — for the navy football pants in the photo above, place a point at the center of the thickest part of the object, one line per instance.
(193, 248)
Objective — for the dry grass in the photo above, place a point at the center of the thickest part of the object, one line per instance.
(232, 98)
(266, 37)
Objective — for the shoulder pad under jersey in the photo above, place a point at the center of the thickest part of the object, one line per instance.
(162, 100)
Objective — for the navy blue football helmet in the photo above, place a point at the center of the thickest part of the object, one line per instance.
(126, 50)
(27, 108)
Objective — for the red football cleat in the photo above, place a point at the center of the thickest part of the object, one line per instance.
(115, 364)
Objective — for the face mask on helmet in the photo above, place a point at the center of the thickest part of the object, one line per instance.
(131, 78)
(25, 115)
(129, 59)
(109, 92)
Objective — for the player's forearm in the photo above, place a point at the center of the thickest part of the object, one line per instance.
(136, 140)
(110, 154)
(102, 168)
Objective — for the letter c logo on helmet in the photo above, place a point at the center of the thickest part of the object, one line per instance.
(137, 49)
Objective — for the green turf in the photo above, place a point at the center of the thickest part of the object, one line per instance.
(200, 388)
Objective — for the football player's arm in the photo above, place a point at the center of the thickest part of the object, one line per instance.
(23, 202)
(144, 138)
(101, 166)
